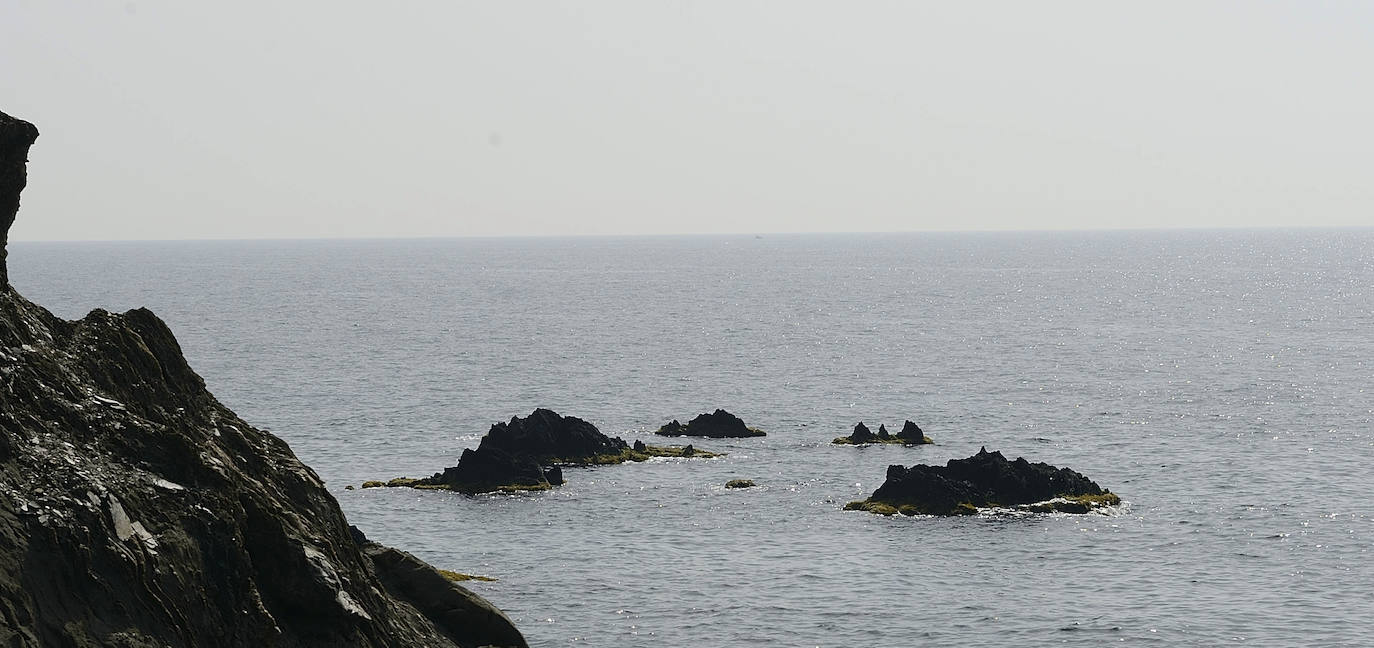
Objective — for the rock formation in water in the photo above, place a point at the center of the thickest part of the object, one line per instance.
(486, 470)
(910, 435)
(719, 424)
(548, 438)
(859, 436)
(137, 511)
(986, 479)
(528, 454)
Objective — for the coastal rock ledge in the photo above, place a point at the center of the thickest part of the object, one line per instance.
(985, 480)
(136, 511)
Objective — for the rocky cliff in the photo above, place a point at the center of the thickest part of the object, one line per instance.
(138, 511)
(16, 136)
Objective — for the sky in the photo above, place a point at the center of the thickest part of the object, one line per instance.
(324, 118)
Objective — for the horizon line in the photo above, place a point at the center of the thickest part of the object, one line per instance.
(591, 235)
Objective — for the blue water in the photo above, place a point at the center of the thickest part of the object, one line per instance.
(1219, 381)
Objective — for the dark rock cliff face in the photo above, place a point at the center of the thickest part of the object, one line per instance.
(136, 510)
(15, 138)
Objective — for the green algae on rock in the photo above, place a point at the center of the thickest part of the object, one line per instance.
(459, 577)
(640, 452)
(985, 480)
(1073, 503)
(637, 453)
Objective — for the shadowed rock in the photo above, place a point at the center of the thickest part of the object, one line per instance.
(719, 424)
(16, 136)
(986, 479)
(488, 469)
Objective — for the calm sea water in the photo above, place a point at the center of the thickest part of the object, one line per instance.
(1220, 382)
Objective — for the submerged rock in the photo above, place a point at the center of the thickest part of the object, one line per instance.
(719, 424)
(528, 454)
(986, 479)
(740, 483)
(137, 510)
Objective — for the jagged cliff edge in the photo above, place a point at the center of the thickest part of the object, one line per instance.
(138, 511)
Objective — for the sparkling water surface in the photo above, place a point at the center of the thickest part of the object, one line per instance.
(1219, 381)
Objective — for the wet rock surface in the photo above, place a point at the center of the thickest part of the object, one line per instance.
(986, 479)
(136, 510)
(719, 424)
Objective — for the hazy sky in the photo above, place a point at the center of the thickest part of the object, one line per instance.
(327, 118)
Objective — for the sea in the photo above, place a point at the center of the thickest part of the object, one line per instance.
(1220, 381)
